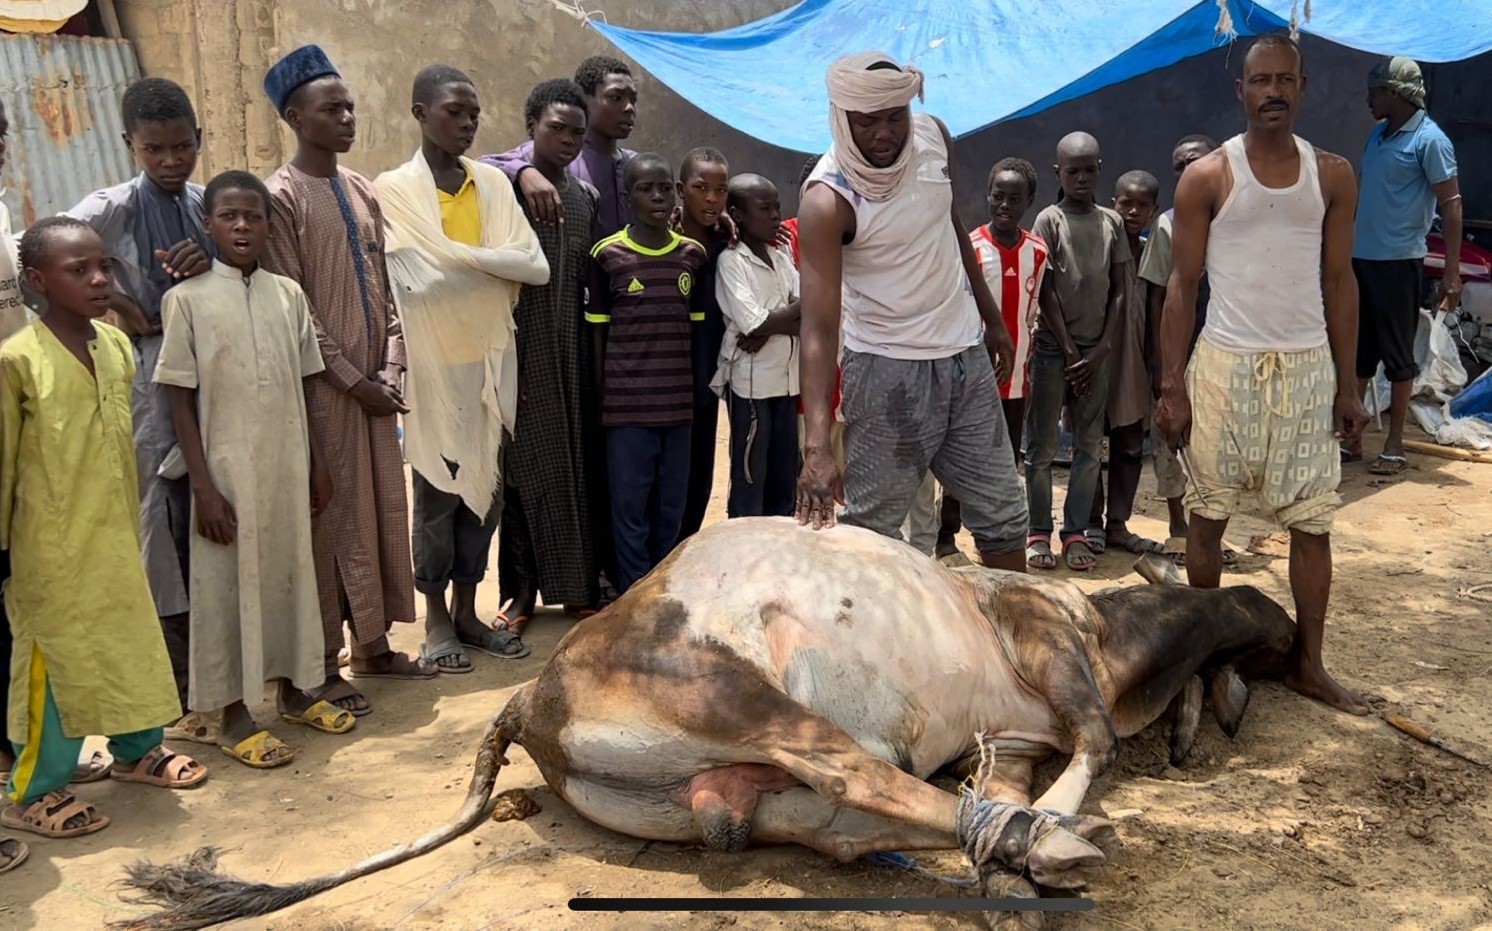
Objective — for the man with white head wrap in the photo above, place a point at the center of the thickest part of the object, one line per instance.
(885, 253)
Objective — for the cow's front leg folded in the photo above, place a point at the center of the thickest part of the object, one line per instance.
(1054, 850)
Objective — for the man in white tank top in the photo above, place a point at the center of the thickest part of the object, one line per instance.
(885, 253)
(1254, 412)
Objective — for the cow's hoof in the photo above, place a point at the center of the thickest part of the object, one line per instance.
(1065, 860)
(1188, 716)
(1230, 696)
(726, 834)
(1008, 885)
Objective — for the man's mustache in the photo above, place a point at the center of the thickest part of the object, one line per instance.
(1275, 103)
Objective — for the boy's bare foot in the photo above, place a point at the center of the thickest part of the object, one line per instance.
(1316, 682)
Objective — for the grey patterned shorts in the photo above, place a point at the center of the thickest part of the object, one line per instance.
(903, 418)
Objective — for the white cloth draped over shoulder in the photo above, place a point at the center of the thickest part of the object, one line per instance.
(456, 302)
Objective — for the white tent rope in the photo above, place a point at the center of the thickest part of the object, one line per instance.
(576, 10)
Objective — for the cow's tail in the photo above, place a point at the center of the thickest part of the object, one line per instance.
(193, 894)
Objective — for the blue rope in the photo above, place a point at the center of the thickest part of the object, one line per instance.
(901, 861)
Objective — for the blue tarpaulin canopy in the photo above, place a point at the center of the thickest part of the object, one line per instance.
(993, 60)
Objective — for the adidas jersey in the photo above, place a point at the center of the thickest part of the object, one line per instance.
(1014, 277)
(649, 301)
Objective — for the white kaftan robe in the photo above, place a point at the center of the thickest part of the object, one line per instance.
(245, 344)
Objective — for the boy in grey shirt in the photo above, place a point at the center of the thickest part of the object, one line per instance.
(1081, 305)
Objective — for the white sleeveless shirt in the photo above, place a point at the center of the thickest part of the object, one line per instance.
(1264, 261)
(905, 292)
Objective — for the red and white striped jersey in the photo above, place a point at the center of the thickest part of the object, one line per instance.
(1014, 278)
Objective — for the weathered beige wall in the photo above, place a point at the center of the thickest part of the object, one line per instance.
(220, 49)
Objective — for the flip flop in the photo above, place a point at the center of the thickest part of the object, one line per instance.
(449, 647)
(1389, 465)
(1097, 540)
(516, 625)
(496, 641)
(1072, 543)
(1349, 456)
(1138, 545)
(253, 751)
(15, 853)
(1175, 547)
(95, 769)
(200, 727)
(324, 717)
(401, 666)
(162, 768)
(47, 815)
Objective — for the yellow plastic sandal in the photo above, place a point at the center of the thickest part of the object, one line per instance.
(324, 717)
(256, 751)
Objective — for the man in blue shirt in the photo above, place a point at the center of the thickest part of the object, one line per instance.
(1408, 168)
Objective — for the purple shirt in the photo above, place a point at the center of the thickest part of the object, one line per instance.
(613, 210)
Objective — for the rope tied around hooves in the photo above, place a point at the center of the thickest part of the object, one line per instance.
(1005, 838)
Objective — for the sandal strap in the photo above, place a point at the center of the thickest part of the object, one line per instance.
(52, 811)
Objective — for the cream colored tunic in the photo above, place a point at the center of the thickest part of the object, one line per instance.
(70, 516)
(245, 344)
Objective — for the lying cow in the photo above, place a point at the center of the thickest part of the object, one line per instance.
(770, 684)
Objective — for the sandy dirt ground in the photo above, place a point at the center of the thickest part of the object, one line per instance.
(1308, 819)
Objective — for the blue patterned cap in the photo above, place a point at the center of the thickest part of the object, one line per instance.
(301, 66)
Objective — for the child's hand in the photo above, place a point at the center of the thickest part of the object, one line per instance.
(186, 259)
(544, 202)
(321, 488)
(215, 518)
(751, 343)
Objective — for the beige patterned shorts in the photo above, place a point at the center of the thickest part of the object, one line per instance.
(1263, 436)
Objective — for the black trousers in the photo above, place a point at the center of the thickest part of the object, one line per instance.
(763, 456)
(451, 543)
(1388, 302)
(701, 461)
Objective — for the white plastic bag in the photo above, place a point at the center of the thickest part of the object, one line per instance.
(1441, 375)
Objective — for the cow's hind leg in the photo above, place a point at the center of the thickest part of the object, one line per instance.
(802, 816)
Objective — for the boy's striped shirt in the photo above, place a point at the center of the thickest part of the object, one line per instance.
(1014, 278)
(650, 303)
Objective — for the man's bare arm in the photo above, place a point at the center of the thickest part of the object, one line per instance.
(823, 220)
(1339, 287)
(1448, 196)
(1196, 197)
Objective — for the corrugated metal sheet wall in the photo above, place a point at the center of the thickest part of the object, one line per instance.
(61, 94)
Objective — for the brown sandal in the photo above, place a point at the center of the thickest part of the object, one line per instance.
(163, 768)
(47, 815)
(14, 853)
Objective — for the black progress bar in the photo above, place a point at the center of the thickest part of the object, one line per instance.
(789, 904)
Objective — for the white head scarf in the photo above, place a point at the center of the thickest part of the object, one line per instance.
(854, 89)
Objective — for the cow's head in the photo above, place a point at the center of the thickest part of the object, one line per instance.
(1267, 628)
